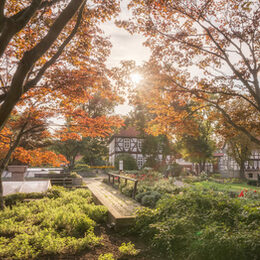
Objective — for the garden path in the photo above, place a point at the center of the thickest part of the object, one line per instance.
(121, 208)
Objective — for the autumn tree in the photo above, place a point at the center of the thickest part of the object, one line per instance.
(157, 148)
(96, 151)
(198, 148)
(139, 117)
(35, 34)
(24, 138)
(206, 51)
(55, 49)
(80, 139)
(239, 146)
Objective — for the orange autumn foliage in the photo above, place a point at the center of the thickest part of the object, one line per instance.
(39, 157)
(206, 52)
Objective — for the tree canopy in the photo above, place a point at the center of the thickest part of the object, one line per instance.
(204, 54)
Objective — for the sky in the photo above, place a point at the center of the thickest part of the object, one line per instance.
(125, 47)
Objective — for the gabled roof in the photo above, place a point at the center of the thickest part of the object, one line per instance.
(218, 154)
(128, 132)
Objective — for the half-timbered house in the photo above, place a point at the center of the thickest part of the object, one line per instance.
(228, 167)
(127, 141)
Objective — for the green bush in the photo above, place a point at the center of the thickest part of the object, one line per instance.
(148, 198)
(60, 223)
(127, 189)
(108, 256)
(208, 225)
(128, 161)
(252, 182)
(19, 197)
(128, 249)
(74, 175)
(81, 167)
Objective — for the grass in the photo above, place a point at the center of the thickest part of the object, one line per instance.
(236, 187)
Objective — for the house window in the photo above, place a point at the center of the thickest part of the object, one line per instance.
(139, 144)
(126, 143)
(140, 162)
(250, 175)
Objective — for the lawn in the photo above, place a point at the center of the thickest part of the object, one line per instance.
(228, 186)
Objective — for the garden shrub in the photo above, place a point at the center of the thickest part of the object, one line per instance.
(208, 225)
(127, 189)
(74, 175)
(148, 198)
(108, 256)
(61, 223)
(19, 197)
(128, 249)
(252, 182)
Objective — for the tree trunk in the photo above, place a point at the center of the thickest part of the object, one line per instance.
(2, 203)
(201, 166)
(31, 57)
(242, 171)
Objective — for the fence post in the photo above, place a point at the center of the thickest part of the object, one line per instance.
(135, 188)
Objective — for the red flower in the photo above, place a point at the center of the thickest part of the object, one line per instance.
(241, 194)
(255, 191)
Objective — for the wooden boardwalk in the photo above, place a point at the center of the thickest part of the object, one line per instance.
(121, 208)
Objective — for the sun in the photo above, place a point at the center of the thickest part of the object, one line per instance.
(136, 78)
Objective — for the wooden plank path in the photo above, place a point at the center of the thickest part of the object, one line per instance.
(120, 207)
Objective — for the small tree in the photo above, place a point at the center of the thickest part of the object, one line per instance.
(128, 161)
(240, 148)
(198, 148)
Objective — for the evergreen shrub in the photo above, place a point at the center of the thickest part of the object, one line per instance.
(60, 223)
(208, 225)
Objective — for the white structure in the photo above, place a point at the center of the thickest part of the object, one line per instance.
(127, 141)
(12, 187)
(228, 167)
(30, 173)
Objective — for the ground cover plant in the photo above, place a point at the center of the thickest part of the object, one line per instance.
(61, 223)
(228, 186)
(151, 186)
(208, 225)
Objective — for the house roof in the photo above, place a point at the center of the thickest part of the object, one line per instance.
(128, 132)
(218, 154)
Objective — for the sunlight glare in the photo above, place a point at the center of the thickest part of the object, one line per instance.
(136, 78)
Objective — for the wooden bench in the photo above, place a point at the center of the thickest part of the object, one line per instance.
(113, 176)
